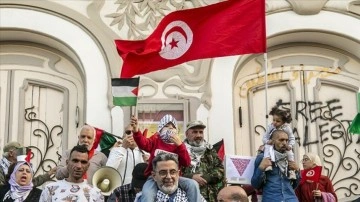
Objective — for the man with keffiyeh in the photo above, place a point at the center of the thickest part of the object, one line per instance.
(206, 167)
(166, 175)
(166, 140)
(274, 183)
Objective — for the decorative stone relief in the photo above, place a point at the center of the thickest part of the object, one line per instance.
(302, 7)
(187, 80)
(140, 17)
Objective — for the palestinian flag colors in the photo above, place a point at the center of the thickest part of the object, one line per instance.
(220, 149)
(125, 91)
(104, 140)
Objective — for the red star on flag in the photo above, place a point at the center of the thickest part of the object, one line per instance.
(173, 43)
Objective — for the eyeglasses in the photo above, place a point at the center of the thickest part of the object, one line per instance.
(164, 173)
(305, 159)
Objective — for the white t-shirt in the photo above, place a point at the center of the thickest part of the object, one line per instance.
(63, 190)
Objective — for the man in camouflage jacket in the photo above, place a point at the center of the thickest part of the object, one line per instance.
(206, 168)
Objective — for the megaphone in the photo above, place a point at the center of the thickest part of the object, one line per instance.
(106, 179)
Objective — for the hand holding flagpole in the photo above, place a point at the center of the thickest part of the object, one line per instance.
(317, 192)
(134, 124)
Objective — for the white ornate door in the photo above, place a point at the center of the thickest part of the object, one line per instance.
(41, 102)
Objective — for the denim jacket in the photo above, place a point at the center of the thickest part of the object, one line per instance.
(277, 187)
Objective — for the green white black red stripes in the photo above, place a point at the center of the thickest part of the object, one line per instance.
(125, 91)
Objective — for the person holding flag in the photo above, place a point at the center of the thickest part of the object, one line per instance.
(313, 185)
(165, 140)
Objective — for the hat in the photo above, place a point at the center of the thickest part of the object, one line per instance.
(138, 174)
(193, 124)
(165, 120)
(12, 145)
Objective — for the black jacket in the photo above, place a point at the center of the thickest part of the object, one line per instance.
(34, 195)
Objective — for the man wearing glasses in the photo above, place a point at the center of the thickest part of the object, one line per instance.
(125, 156)
(166, 175)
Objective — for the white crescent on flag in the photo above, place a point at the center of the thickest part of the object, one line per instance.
(176, 40)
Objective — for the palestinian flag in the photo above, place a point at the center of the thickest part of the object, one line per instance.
(354, 128)
(104, 140)
(220, 149)
(125, 91)
(355, 125)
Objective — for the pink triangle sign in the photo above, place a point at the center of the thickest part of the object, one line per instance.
(240, 164)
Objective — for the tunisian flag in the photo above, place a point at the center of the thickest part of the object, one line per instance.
(312, 174)
(232, 27)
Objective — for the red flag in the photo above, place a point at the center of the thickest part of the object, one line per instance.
(28, 156)
(220, 149)
(312, 174)
(231, 27)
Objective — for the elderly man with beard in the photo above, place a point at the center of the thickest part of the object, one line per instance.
(274, 183)
(166, 174)
(206, 167)
(96, 159)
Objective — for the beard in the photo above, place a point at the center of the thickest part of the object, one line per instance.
(167, 189)
(196, 143)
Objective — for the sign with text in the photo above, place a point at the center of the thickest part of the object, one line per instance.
(239, 169)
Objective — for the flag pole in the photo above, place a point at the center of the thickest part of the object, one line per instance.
(266, 90)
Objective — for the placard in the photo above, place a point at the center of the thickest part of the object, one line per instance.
(239, 169)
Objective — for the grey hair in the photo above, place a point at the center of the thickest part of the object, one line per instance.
(164, 157)
(88, 127)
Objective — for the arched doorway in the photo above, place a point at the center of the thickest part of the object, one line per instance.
(319, 84)
(42, 92)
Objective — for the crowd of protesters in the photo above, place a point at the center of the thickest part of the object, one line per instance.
(162, 167)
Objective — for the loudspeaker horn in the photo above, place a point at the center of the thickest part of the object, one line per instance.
(106, 179)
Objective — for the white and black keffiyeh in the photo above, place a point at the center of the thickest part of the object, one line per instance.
(196, 152)
(180, 196)
(165, 120)
(281, 162)
(5, 164)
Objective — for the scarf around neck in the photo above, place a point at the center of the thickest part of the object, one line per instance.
(281, 162)
(4, 163)
(196, 152)
(178, 196)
